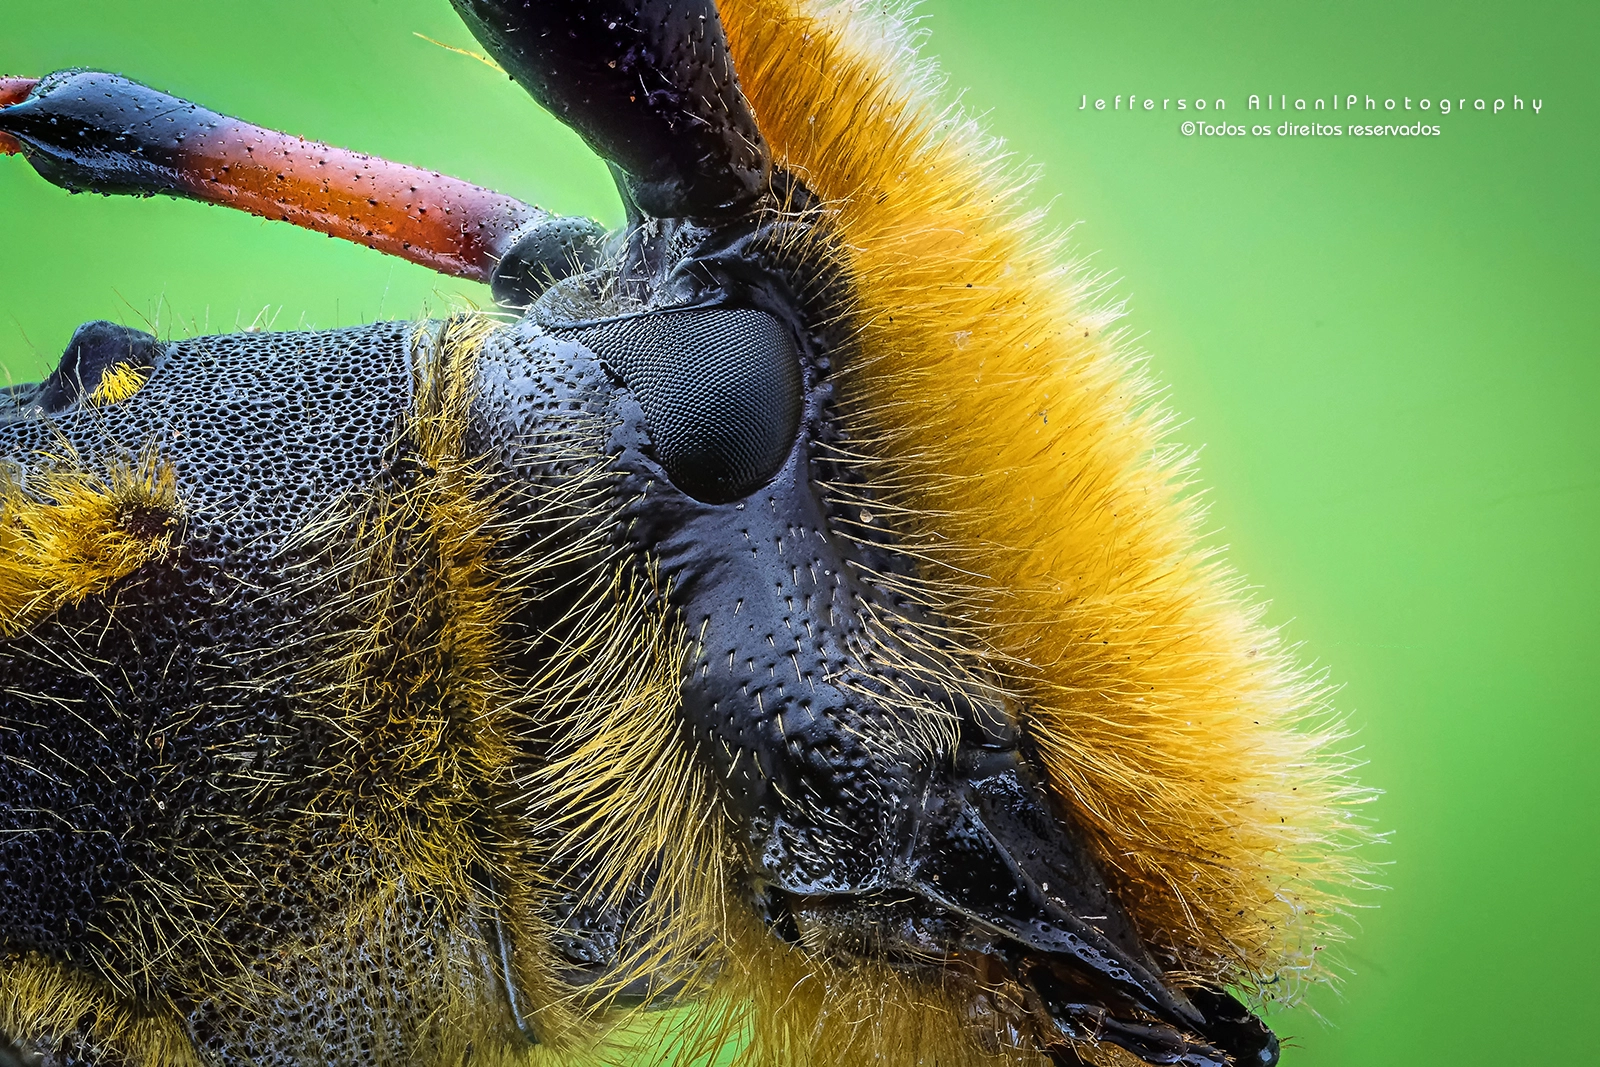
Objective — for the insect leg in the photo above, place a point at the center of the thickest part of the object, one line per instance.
(505, 970)
(89, 131)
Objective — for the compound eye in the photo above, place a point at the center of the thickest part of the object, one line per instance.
(721, 393)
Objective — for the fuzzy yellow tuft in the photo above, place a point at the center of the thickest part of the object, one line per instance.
(44, 999)
(1032, 458)
(70, 533)
(117, 384)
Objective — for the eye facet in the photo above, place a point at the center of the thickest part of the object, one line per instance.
(721, 392)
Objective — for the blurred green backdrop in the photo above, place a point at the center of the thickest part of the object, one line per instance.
(1386, 347)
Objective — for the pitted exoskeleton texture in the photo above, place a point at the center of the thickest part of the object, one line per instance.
(170, 730)
(307, 414)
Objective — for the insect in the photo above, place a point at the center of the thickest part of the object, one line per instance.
(786, 632)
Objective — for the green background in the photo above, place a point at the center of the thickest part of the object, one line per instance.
(1386, 348)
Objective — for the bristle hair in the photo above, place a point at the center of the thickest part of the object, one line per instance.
(620, 802)
(119, 382)
(410, 670)
(47, 1000)
(1009, 434)
(71, 531)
